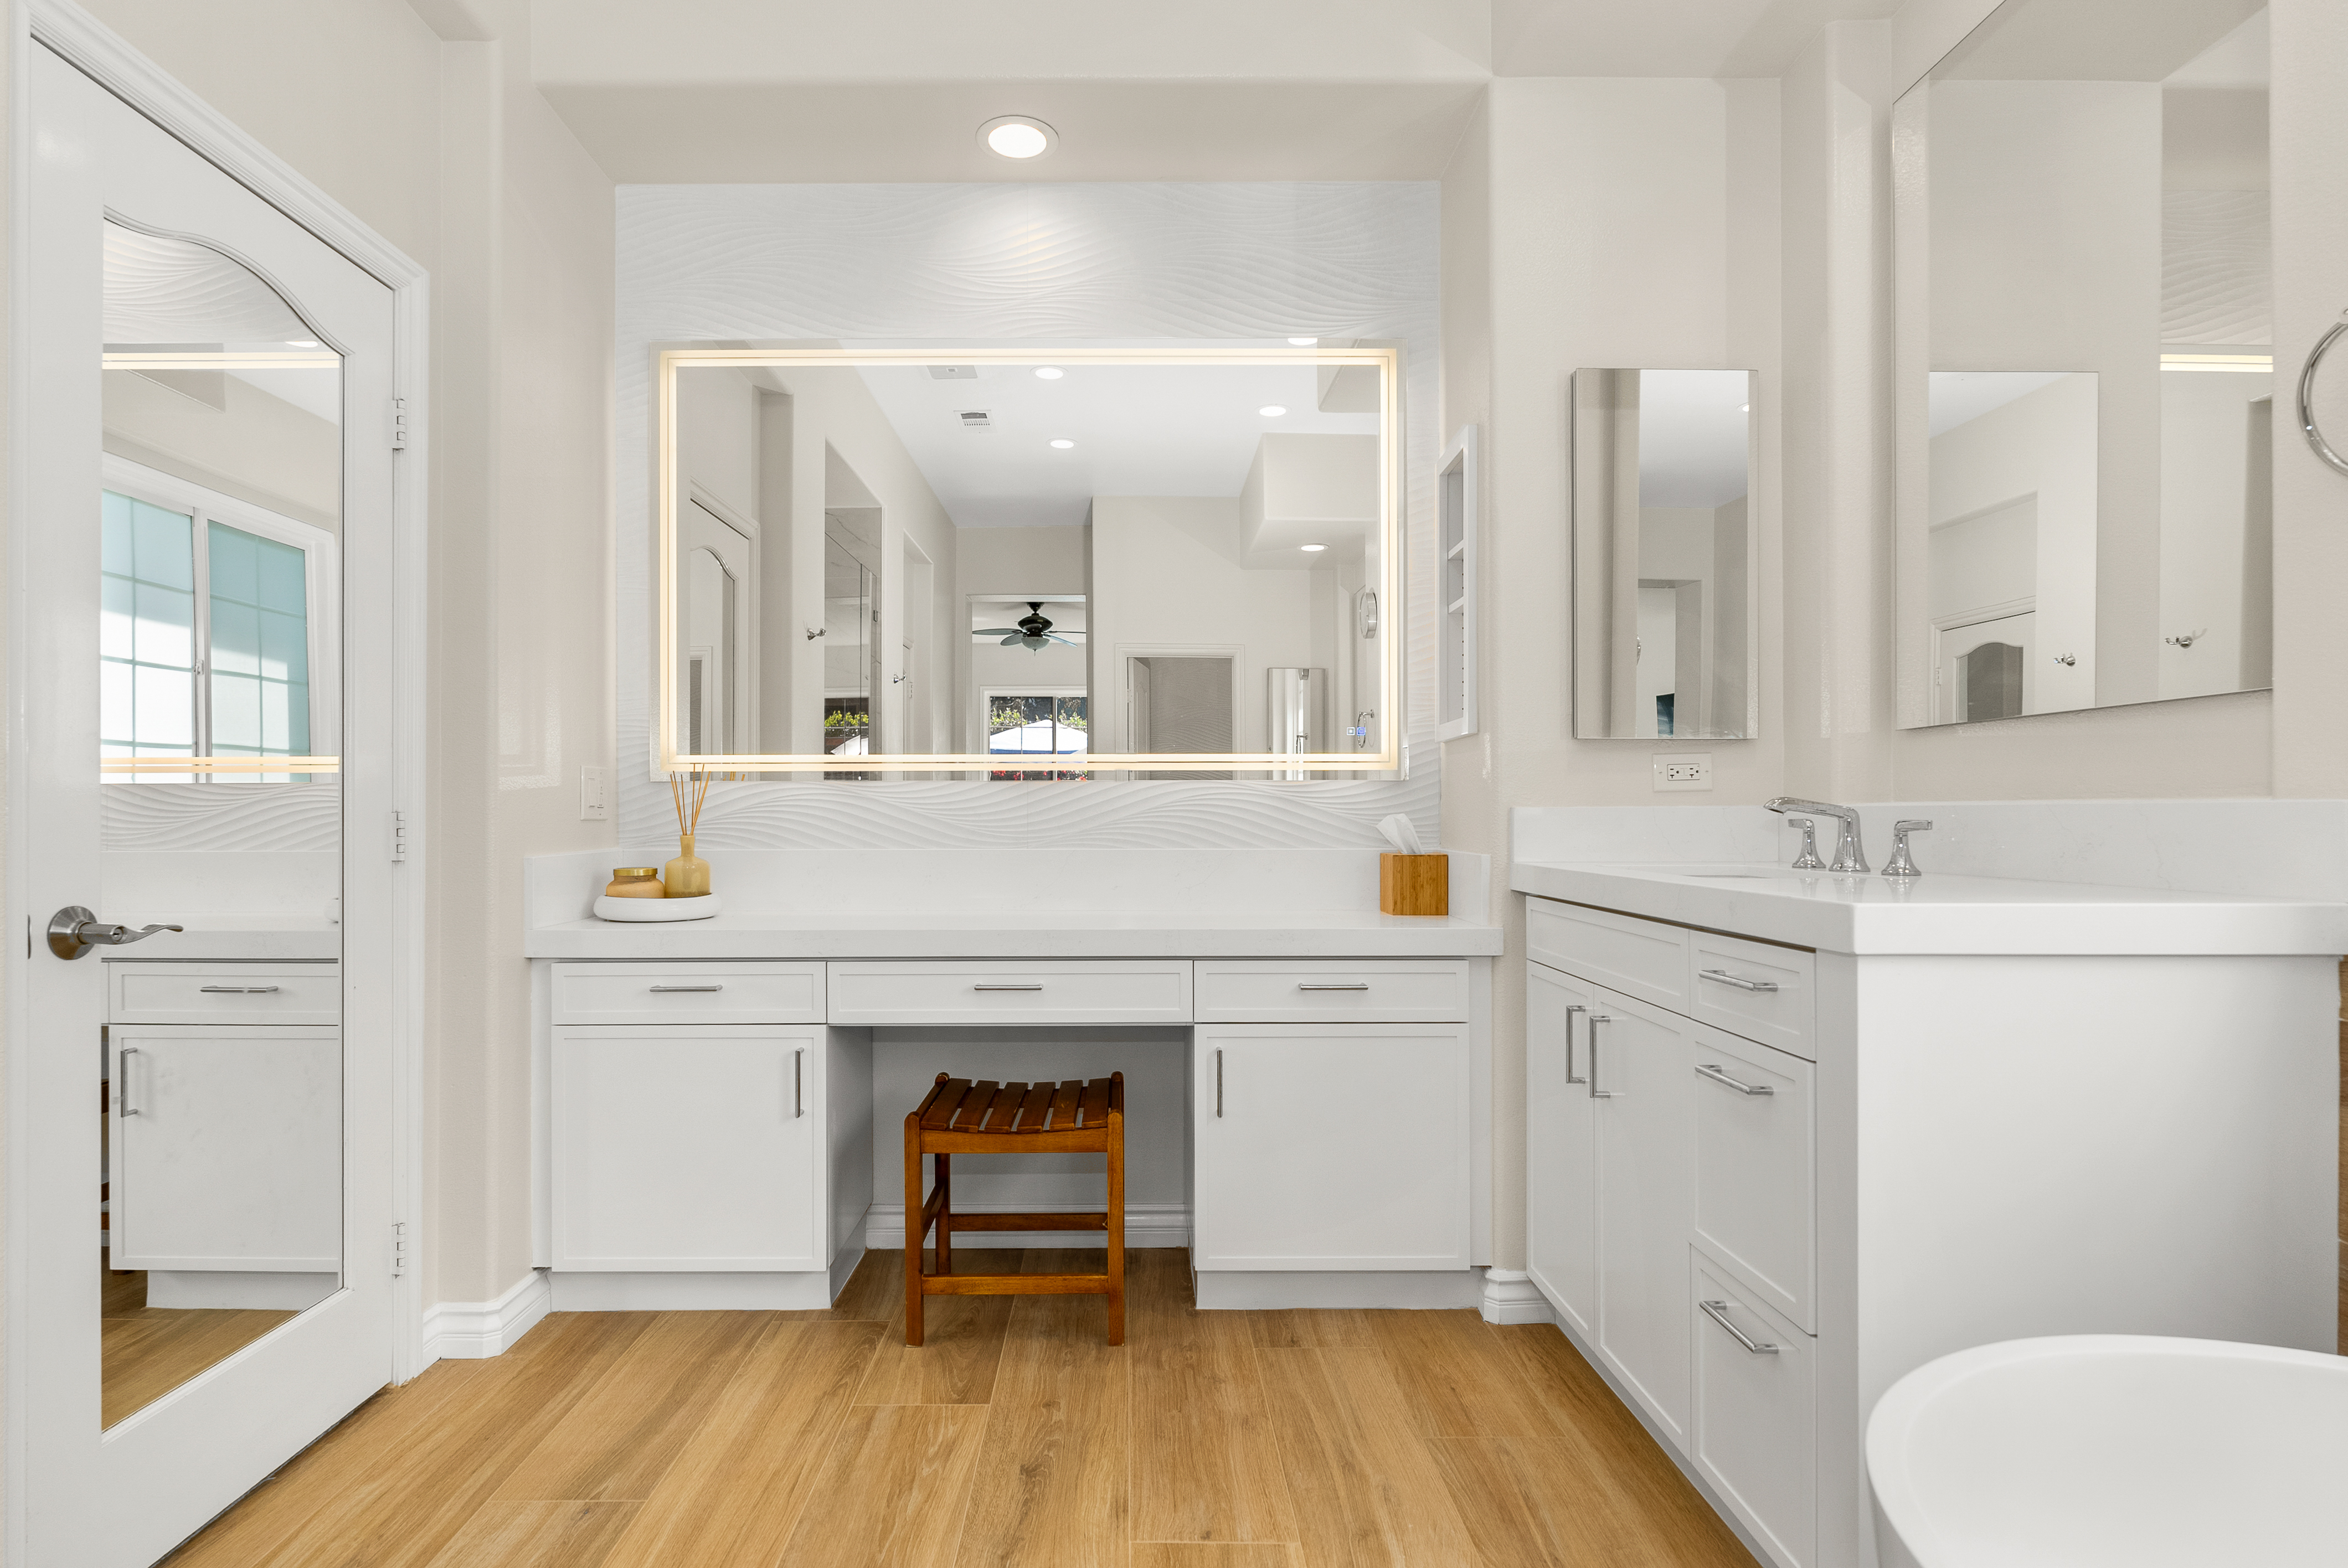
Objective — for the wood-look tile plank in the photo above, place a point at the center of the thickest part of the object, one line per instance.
(1367, 1492)
(619, 1438)
(145, 1354)
(1216, 1554)
(740, 1484)
(962, 1341)
(1313, 1329)
(545, 1535)
(390, 1488)
(1050, 1487)
(1579, 1403)
(1205, 1464)
(1461, 1380)
(1539, 1502)
(893, 1490)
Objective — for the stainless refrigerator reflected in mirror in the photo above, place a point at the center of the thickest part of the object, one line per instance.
(219, 509)
(2085, 362)
(1662, 552)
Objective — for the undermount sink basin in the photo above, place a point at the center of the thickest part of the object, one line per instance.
(2115, 1450)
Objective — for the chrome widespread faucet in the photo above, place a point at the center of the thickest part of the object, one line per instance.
(1850, 857)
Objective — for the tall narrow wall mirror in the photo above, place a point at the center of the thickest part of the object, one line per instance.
(1021, 564)
(2086, 394)
(1662, 550)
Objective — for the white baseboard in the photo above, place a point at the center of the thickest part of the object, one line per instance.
(1269, 1290)
(1146, 1226)
(1511, 1297)
(471, 1331)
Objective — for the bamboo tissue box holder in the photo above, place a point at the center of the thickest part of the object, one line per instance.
(1413, 884)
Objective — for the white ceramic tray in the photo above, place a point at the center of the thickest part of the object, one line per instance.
(643, 909)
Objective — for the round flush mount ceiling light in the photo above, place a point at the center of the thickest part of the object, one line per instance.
(1063, 446)
(1017, 136)
(1304, 341)
(1313, 547)
(1272, 411)
(1049, 372)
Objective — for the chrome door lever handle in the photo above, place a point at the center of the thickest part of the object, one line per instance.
(74, 931)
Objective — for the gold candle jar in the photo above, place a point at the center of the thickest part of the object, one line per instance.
(688, 875)
(635, 882)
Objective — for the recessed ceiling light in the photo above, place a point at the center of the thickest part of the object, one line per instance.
(1303, 341)
(1017, 136)
(1313, 547)
(1272, 411)
(1064, 445)
(1049, 372)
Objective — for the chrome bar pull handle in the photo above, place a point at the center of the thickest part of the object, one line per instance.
(1571, 1076)
(657, 988)
(1739, 981)
(122, 1082)
(1219, 1080)
(237, 990)
(798, 1082)
(1350, 985)
(1596, 1093)
(1718, 1312)
(1006, 988)
(1712, 1070)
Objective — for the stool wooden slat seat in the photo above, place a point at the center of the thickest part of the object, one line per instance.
(961, 1117)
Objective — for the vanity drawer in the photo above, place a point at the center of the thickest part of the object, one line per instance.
(714, 992)
(1757, 989)
(1755, 1205)
(1643, 959)
(1395, 990)
(1753, 1412)
(1008, 992)
(225, 993)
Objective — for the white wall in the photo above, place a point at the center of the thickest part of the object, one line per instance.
(2216, 482)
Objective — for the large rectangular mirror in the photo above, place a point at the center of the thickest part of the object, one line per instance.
(1028, 565)
(1663, 617)
(2086, 361)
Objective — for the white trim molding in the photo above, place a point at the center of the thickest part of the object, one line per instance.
(1146, 1226)
(1510, 1296)
(473, 1330)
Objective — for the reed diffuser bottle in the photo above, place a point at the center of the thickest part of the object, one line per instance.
(687, 877)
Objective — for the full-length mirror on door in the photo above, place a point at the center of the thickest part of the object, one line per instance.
(1019, 564)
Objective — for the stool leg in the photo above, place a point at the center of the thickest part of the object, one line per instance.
(946, 1212)
(914, 1203)
(1115, 1226)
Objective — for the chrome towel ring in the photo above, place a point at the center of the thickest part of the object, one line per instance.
(2307, 397)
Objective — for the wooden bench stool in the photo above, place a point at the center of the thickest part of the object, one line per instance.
(959, 1117)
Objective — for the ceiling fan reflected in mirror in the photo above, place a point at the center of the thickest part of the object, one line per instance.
(1033, 632)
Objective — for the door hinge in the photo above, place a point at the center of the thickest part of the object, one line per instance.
(403, 839)
(399, 424)
(398, 1248)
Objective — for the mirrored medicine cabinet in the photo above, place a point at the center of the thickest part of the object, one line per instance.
(1011, 563)
(2085, 361)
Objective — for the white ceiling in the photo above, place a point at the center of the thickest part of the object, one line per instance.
(1662, 37)
(1693, 446)
(1139, 430)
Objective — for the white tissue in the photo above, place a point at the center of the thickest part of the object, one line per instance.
(1402, 833)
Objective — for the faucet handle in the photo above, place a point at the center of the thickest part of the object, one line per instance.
(1807, 860)
(1902, 864)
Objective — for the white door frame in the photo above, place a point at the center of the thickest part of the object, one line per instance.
(139, 82)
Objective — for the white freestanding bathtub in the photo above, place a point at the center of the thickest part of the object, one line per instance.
(2096, 1449)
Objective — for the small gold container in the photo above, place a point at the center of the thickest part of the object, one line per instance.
(635, 882)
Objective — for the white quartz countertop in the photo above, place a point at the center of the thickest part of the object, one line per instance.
(1943, 913)
(1090, 934)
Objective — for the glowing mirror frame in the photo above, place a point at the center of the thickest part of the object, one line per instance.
(666, 759)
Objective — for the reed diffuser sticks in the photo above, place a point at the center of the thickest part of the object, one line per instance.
(687, 877)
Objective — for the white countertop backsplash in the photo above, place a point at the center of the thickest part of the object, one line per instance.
(1012, 903)
(2000, 876)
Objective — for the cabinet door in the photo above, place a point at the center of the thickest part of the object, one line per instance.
(228, 1148)
(1646, 1198)
(1330, 1146)
(689, 1149)
(1560, 1147)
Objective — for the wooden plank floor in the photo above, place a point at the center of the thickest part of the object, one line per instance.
(786, 1440)
(145, 1352)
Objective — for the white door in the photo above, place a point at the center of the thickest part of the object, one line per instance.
(1646, 1196)
(689, 1147)
(1560, 1146)
(717, 618)
(177, 320)
(1330, 1146)
(1986, 671)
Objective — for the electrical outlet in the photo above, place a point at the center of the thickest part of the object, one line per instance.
(1682, 769)
(594, 804)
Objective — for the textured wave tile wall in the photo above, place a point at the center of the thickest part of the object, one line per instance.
(699, 263)
(222, 818)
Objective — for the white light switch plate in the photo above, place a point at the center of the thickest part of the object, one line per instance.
(594, 802)
(1682, 769)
